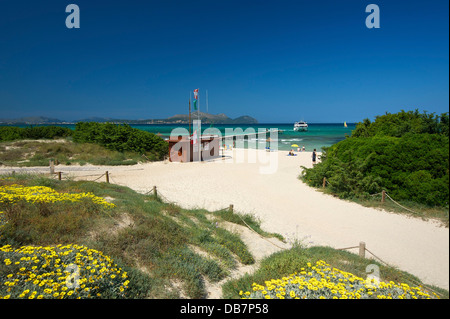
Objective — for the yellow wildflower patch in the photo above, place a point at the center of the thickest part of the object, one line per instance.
(70, 271)
(321, 281)
(11, 194)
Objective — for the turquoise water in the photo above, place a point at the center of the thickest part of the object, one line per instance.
(317, 136)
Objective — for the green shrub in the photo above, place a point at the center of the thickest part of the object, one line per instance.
(11, 133)
(274, 266)
(410, 165)
(401, 123)
(122, 138)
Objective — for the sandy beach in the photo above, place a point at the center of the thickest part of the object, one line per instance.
(274, 194)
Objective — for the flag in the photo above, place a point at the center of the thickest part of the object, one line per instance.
(196, 94)
(195, 105)
(194, 137)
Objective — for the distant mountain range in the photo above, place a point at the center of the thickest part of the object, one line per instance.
(32, 120)
(211, 118)
(176, 119)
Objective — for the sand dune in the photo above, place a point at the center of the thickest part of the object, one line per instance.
(287, 206)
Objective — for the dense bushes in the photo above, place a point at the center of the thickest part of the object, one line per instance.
(407, 154)
(401, 123)
(121, 138)
(11, 133)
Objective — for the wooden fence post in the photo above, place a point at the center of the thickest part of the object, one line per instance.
(59, 176)
(155, 192)
(324, 182)
(362, 249)
(52, 167)
(383, 196)
(231, 207)
(107, 177)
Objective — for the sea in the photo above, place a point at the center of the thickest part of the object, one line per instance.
(317, 136)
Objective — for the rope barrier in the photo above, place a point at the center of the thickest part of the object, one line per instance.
(165, 198)
(365, 249)
(258, 233)
(112, 181)
(347, 248)
(326, 181)
(158, 194)
(375, 194)
(98, 178)
(89, 175)
(388, 265)
(401, 205)
(377, 257)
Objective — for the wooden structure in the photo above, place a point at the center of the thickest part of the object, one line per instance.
(182, 149)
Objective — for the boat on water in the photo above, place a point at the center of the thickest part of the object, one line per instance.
(300, 126)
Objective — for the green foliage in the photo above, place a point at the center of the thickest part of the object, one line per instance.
(121, 138)
(401, 123)
(11, 133)
(407, 154)
(276, 265)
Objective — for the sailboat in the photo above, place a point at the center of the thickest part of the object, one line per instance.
(345, 124)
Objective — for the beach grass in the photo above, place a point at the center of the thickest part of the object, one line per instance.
(28, 153)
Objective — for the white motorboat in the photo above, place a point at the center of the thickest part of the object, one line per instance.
(300, 126)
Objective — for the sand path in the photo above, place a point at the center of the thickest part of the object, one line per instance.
(287, 206)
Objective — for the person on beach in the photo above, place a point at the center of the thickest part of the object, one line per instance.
(303, 148)
(314, 155)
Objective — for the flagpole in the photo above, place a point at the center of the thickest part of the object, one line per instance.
(189, 116)
(190, 96)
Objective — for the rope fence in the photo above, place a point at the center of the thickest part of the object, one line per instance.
(231, 209)
(362, 249)
(383, 194)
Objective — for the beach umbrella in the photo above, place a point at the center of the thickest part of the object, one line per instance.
(294, 145)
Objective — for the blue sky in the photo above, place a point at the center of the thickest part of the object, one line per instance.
(278, 61)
